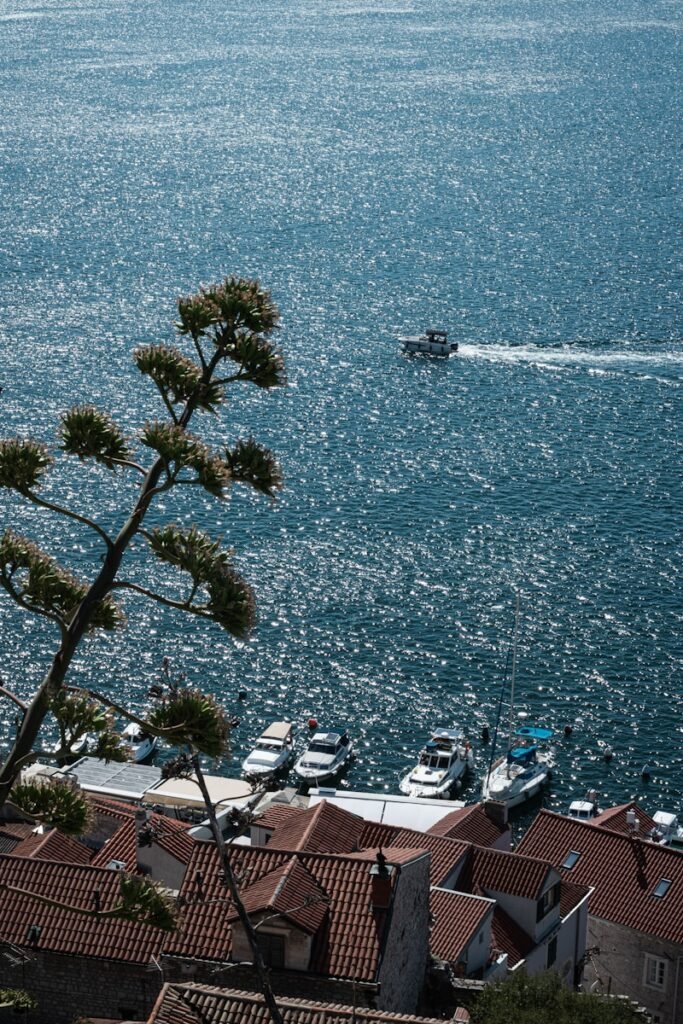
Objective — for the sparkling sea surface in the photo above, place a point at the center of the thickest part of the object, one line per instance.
(511, 172)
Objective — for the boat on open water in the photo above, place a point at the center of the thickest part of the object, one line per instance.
(431, 343)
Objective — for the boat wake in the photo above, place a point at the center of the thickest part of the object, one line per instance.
(665, 363)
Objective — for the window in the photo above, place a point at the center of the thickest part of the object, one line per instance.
(272, 948)
(663, 886)
(552, 952)
(549, 899)
(655, 972)
(571, 859)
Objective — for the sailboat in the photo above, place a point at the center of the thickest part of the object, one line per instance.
(521, 773)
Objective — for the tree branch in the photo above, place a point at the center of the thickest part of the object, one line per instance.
(130, 464)
(70, 515)
(12, 696)
(166, 733)
(7, 585)
(159, 598)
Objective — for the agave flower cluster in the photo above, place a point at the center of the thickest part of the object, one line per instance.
(224, 337)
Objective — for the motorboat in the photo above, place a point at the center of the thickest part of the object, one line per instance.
(445, 757)
(273, 751)
(139, 743)
(521, 773)
(667, 830)
(326, 754)
(77, 749)
(586, 809)
(431, 343)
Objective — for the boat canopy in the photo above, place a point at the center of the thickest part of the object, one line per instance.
(447, 734)
(277, 731)
(522, 755)
(533, 733)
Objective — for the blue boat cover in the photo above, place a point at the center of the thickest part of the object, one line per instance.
(531, 732)
(522, 755)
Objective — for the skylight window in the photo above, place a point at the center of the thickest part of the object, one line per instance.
(663, 886)
(571, 859)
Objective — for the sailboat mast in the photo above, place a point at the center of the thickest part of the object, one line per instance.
(511, 737)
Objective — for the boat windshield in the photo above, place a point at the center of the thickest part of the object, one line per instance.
(434, 761)
(321, 748)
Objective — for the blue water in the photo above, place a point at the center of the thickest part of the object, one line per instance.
(510, 172)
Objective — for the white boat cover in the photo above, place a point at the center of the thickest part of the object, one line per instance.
(277, 731)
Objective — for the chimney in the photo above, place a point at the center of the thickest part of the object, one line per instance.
(381, 877)
(497, 813)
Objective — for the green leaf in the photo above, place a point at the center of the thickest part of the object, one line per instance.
(251, 463)
(39, 580)
(91, 434)
(57, 804)
(178, 377)
(259, 359)
(197, 719)
(230, 598)
(22, 464)
(146, 902)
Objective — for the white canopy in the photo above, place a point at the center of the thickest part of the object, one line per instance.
(186, 792)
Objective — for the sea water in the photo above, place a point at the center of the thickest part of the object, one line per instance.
(509, 172)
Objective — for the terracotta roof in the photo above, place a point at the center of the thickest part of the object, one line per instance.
(445, 853)
(289, 891)
(471, 824)
(349, 943)
(614, 818)
(200, 1004)
(122, 847)
(276, 814)
(509, 937)
(457, 918)
(324, 828)
(173, 836)
(25, 840)
(490, 871)
(63, 930)
(624, 870)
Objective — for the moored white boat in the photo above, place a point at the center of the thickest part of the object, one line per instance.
(431, 343)
(273, 752)
(521, 773)
(326, 754)
(443, 760)
(139, 743)
(667, 831)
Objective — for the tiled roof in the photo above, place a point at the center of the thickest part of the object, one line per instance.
(349, 944)
(199, 1004)
(25, 840)
(290, 891)
(276, 814)
(457, 918)
(471, 824)
(324, 828)
(624, 871)
(445, 853)
(614, 818)
(491, 871)
(63, 930)
(122, 847)
(508, 937)
(173, 836)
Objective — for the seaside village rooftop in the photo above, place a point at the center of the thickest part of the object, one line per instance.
(352, 910)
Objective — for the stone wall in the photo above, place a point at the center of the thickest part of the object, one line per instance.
(619, 969)
(68, 987)
(402, 971)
